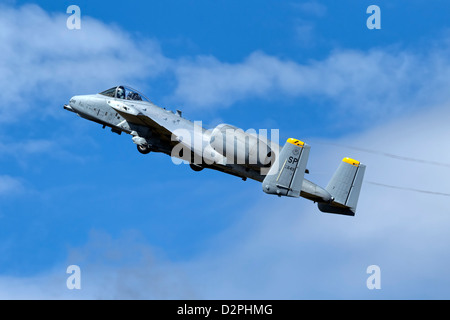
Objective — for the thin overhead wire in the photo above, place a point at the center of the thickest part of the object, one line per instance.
(390, 155)
(398, 157)
(409, 189)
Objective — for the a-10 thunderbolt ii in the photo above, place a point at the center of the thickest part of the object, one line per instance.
(225, 148)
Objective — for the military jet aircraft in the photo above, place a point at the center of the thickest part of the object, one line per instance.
(226, 148)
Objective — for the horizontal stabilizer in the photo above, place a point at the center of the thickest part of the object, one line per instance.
(285, 177)
(344, 187)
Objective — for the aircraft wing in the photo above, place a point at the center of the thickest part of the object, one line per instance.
(133, 115)
(170, 126)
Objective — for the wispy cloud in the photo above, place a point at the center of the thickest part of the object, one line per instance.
(111, 268)
(376, 82)
(27, 147)
(44, 61)
(372, 83)
(312, 8)
(281, 248)
(10, 185)
(24, 152)
(284, 248)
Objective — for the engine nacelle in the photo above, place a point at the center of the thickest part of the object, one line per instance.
(240, 147)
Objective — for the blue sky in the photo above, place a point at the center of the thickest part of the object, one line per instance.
(141, 227)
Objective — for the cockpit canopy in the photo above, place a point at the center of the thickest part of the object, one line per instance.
(124, 92)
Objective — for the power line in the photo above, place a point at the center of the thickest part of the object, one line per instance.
(408, 189)
(390, 155)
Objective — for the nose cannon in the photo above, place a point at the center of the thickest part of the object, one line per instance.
(68, 108)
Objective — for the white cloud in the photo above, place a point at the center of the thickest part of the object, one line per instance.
(26, 147)
(282, 248)
(122, 268)
(24, 152)
(313, 8)
(304, 27)
(55, 62)
(286, 249)
(371, 83)
(9, 185)
(44, 61)
(305, 32)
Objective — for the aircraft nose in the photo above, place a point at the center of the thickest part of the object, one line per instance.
(72, 104)
(72, 101)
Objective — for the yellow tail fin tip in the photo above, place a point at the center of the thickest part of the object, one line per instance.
(353, 162)
(296, 142)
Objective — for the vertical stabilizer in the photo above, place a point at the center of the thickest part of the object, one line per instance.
(285, 177)
(345, 186)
